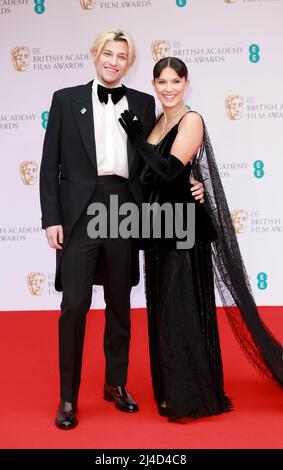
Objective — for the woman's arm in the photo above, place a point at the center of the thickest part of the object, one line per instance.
(185, 146)
(189, 137)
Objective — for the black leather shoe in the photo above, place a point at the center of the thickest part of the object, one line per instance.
(123, 401)
(67, 415)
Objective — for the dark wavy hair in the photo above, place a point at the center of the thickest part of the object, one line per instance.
(174, 63)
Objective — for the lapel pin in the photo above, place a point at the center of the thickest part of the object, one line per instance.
(83, 110)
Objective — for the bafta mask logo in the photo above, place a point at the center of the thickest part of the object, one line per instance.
(160, 49)
(20, 58)
(28, 172)
(230, 1)
(234, 105)
(239, 220)
(36, 283)
(87, 4)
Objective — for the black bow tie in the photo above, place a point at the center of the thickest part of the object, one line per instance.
(116, 93)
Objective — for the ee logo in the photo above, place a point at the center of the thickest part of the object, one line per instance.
(181, 3)
(254, 53)
(262, 281)
(44, 117)
(258, 169)
(39, 6)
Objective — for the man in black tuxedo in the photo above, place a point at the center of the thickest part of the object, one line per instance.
(86, 158)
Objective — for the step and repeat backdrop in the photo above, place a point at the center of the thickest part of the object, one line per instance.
(233, 50)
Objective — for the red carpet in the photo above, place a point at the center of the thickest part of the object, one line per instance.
(29, 393)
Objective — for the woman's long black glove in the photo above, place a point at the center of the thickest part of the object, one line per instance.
(167, 168)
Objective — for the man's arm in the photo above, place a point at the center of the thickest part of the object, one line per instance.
(49, 177)
(50, 168)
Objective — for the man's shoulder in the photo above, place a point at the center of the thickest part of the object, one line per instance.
(73, 91)
(140, 94)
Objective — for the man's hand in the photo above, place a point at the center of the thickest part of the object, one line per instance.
(197, 190)
(55, 236)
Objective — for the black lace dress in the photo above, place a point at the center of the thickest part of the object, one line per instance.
(185, 354)
(184, 344)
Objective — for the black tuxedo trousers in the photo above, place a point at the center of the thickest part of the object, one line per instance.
(77, 268)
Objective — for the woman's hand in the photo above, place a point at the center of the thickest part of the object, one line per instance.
(131, 125)
(197, 190)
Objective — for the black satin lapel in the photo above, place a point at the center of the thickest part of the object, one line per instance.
(84, 116)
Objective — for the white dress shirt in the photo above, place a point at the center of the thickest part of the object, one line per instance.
(110, 137)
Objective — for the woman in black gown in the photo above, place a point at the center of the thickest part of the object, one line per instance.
(185, 353)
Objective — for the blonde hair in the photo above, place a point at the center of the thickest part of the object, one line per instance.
(114, 35)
